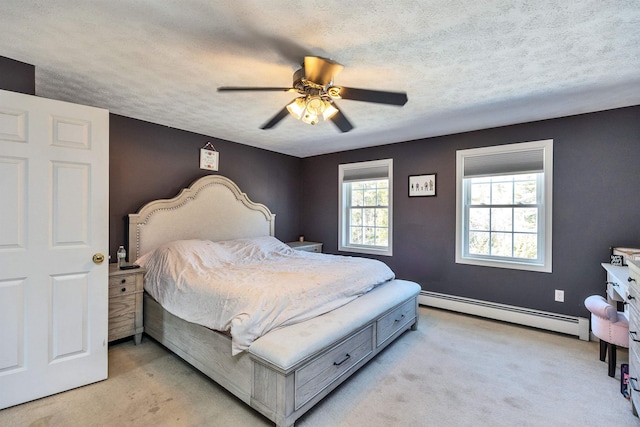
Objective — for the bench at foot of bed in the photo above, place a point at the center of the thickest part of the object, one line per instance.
(296, 366)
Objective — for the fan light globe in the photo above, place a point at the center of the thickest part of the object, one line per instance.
(315, 105)
(329, 110)
(309, 108)
(310, 119)
(297, 108)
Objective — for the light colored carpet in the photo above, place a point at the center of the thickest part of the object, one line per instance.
(455, 370)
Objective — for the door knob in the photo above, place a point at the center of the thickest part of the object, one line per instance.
(98, 258)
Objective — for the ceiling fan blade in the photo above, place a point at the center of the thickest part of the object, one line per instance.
(263, 89)
(341, 121)
(367, 95)
(276, 119)
(320, 70)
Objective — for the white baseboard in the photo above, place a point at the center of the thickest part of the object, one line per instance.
(578, 326)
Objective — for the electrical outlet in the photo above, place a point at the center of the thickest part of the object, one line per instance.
(559, 295)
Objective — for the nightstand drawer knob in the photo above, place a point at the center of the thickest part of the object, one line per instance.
(123, 281)
(123, 290)
(98, 258)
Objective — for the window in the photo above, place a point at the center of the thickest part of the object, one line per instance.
(365, 201)
(503, 206)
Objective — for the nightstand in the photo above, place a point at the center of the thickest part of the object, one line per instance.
(125, 303)
(306, 246)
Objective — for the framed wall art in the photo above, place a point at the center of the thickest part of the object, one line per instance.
(422, 185)
(209, 157)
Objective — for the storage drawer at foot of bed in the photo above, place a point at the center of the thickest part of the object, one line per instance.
(314, 377)
(395, 320)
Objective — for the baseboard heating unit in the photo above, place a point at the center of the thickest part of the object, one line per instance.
(578, 326)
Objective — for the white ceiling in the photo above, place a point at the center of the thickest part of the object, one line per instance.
(465, 64)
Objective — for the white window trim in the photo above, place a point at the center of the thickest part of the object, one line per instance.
(388, 163)
(547, 146)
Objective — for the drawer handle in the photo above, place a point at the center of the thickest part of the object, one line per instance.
(632, 381)
(123, 290)
(631, 279)
(400, 319)
(630, 297)
(123, 281)
(612, 283)
(632, 335)
(347, 357)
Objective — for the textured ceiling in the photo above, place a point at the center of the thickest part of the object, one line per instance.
(465, 64)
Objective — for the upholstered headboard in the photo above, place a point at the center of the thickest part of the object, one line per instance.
(212, 208)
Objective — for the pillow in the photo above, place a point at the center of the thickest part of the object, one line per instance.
(202, 253)
(256, 248)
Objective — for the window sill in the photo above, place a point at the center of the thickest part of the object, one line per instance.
(541, 268)
(369, 251)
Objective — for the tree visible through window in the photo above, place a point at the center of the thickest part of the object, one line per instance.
(369, 213)
(503, 216)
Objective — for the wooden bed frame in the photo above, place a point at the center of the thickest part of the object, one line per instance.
(287, 371)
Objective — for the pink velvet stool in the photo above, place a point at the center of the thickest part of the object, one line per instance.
(610, 326)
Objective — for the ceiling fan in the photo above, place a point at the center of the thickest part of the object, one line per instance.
(317, 94)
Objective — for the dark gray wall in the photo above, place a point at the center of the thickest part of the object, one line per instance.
(149, 161)
(595, 205)
(17, 76)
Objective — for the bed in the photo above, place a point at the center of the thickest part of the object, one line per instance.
(287, 370)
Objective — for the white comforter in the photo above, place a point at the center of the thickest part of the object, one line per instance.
(251, 286)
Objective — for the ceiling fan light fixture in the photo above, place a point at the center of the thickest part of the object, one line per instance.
(315, 105)
(334, 92)
(309, 108)
(310, 119)
(329, 110)
(297, 108)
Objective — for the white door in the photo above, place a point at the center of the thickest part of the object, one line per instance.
(54, 207)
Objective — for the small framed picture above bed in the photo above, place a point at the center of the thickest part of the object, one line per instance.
(422, 185)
